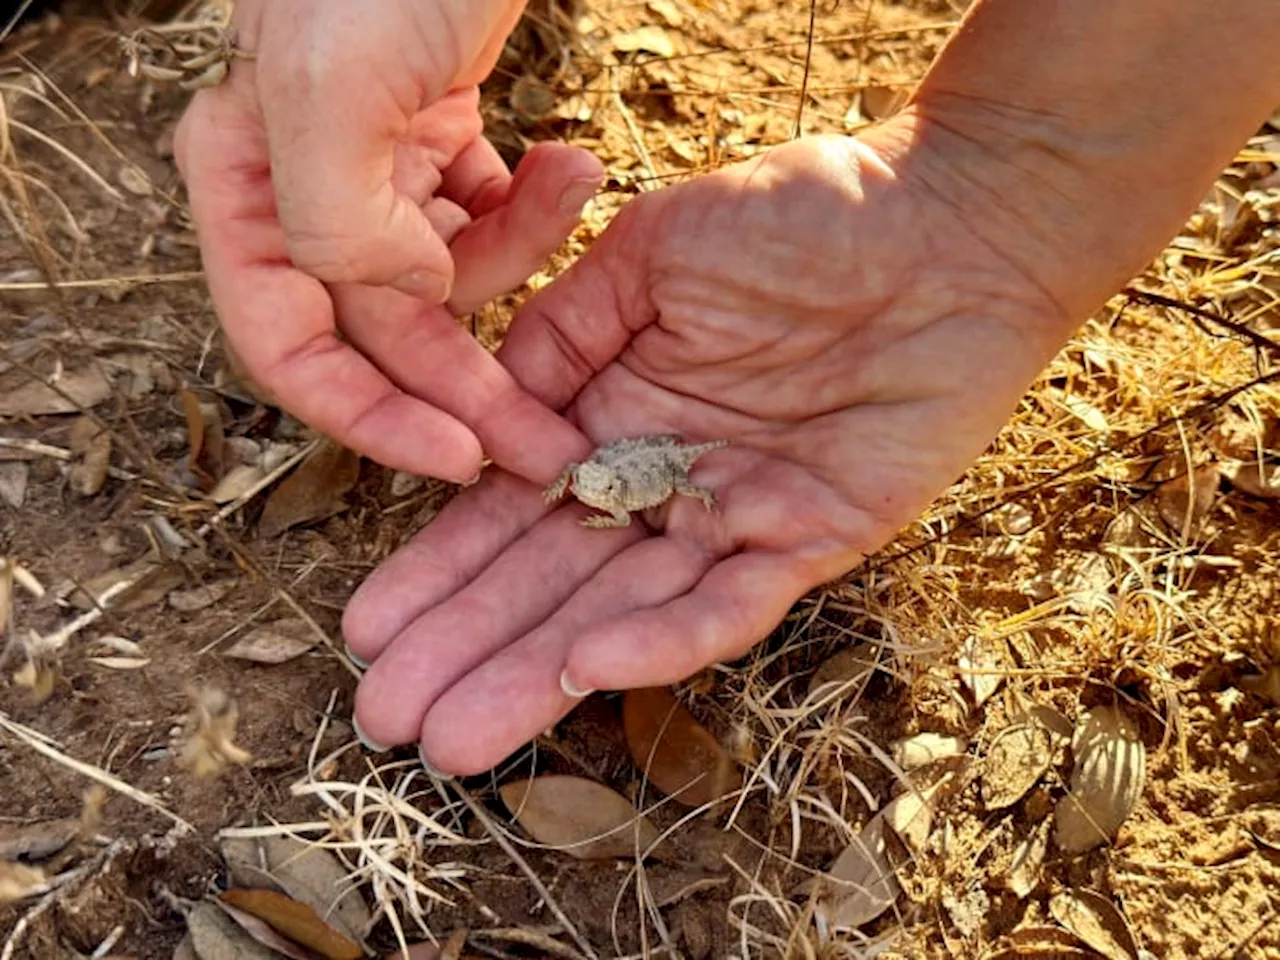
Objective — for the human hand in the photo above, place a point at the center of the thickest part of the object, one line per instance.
(821, 306)
(343, 194)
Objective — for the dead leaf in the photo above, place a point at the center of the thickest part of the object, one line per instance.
(910, 815)
(92, 444)
(860, 885)
(120, 663)
(847, 666)
(221, 932)
(1191, 493)
(198, 598)
(309, 874)
(1017, 758)
(238, 481)
(35, 841)
(295, 920)
(650, 39)
(1078, 407)
(19, 881)
(13, 482)
(1028, 861)
(154, 581)
(980, 670)
(879, 102)
(206, 439)
(1096, 921)
(1110, 767)
(911, 753)
(1261, 480)
(1265, 684)
(676, 754)
(6, 595)
(313, 491)
(274, 643)
(1038, 942)
(83, 389)
(580, 817)
(134, 180)
(668, 11)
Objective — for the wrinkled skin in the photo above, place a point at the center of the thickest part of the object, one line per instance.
(826, 308)
(348, 208)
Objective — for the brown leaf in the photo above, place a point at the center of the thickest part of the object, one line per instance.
(676, 754)
(1261, 480)
(155, 580)
(84, 389)
(1188, 498)
(1110, 767)
(1265, 684)
(198, 598)
(860, 885)
(35, 841)
(93, 444)
(313, 491)
(295, 920)
(1096, 921)
(206, 453)
(1039, 943)
(309, 874)
(274, 643)
(221, 932)
(1018, 757)
(579, 817)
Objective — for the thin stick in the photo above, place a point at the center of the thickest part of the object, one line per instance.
(43, 745)
(59, 453)
(135, 280)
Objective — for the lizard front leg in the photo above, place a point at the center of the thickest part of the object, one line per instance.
(619, 518)
(560, 485)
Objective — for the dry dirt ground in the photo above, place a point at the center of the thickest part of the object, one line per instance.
(1080, 635)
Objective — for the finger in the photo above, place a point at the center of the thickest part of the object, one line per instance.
(452, 550)
(506, 600)
(514, 238)
(736, 605)
(478, 180)
(515, 694)
(281, 322)
(426, 353)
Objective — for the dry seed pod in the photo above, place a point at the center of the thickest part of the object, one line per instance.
(1110, 767)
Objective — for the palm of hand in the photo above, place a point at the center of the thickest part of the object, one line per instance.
(813, 308)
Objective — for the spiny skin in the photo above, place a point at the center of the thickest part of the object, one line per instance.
(634, 473)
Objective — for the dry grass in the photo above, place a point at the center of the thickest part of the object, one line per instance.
(1064, 569)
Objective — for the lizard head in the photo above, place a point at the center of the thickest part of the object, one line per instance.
(596, 485)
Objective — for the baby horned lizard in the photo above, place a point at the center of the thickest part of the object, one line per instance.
(632, 474)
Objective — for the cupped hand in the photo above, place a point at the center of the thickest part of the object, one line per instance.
(348, 208)
(824, 309)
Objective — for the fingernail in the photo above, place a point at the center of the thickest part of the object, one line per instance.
(360, 662)
(576, 195)
(370, 745)
(425, 285)
(430, 767)
(569, 689)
